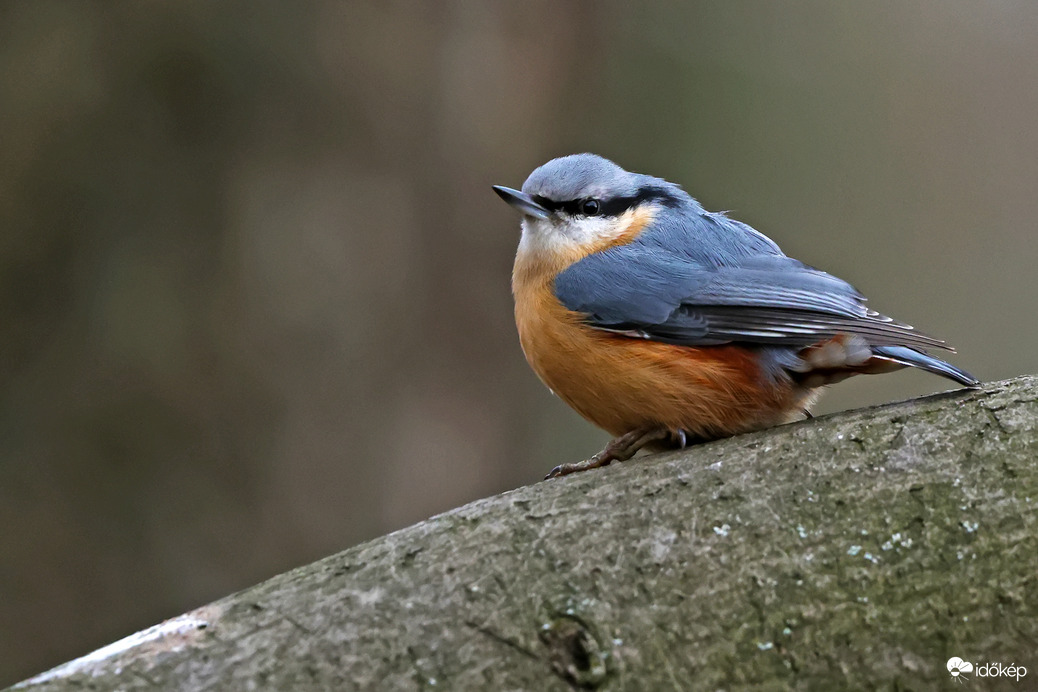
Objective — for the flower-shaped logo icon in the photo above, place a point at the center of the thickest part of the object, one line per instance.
(957, 667)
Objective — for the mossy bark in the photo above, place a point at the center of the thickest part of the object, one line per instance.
(859, 550)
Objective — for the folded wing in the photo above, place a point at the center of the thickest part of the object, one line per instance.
(648, 291)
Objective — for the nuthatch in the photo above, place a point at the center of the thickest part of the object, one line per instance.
(665, 324)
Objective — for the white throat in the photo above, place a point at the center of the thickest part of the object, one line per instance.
(567, 236)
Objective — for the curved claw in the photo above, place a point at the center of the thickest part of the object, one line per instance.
(600, 459)
(682, 439)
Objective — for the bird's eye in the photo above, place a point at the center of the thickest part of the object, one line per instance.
(590, 207)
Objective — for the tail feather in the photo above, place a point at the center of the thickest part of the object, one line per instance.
(918, 359)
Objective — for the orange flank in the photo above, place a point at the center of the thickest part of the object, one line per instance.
(620, 383)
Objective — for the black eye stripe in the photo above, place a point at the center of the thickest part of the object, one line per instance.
(614, 206)
(545, 202)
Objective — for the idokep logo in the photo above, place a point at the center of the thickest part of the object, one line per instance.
(960, 670)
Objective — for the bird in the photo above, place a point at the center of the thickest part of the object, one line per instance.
(666, 324)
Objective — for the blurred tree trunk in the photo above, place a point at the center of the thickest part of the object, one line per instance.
(863, 549)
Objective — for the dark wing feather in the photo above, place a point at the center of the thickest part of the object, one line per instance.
(646, 290)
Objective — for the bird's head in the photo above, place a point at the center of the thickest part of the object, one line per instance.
(582, 202)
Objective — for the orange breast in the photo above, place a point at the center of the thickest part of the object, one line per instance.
(620, 383)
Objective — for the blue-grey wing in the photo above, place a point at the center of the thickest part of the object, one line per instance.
(647, 289)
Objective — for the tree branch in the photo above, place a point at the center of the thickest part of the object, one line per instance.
(862, 549)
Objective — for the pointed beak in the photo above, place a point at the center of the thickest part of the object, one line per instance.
(523, 202)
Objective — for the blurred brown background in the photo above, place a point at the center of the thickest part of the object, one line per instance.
(255, 286)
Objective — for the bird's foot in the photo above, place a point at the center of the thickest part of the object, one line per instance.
(623, 448)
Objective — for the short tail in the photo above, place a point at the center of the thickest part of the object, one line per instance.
(917, 359)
